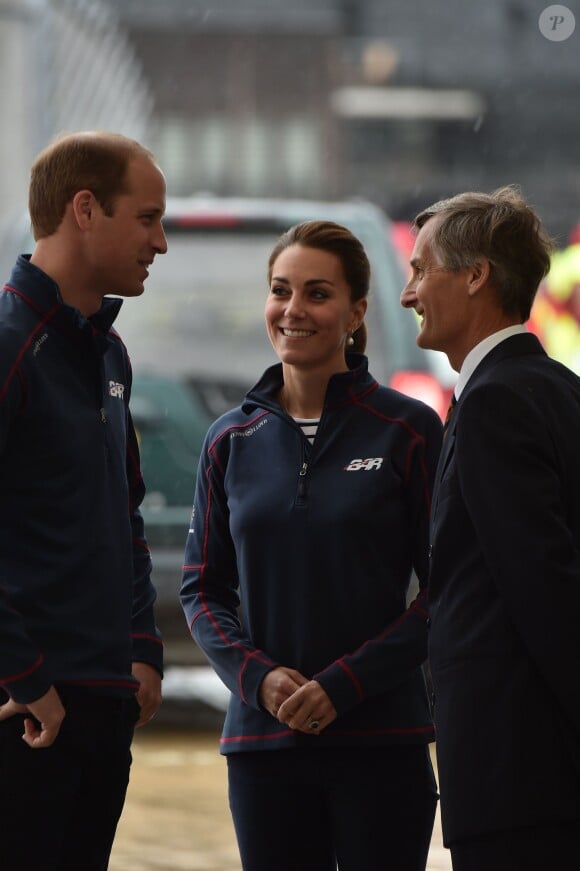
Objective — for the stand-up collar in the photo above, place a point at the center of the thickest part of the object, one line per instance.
(340, 386)
(44, 293)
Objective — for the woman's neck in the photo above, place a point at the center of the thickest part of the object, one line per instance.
(302, 393)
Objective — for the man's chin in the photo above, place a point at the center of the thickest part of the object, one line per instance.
(128, 292)
(423, 341)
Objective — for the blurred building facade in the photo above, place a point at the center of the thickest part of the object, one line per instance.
(64, 65)
(400, 101)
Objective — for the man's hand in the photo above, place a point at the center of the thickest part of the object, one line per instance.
(149, 693)
(48, 710)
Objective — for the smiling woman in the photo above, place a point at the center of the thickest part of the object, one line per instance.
(328, 707)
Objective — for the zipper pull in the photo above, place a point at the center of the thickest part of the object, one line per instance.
(302, 481)
(103, 415)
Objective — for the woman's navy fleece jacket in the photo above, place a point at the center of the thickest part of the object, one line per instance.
(319, 541)
(76, 599)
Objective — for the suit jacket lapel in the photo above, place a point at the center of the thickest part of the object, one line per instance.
(523, 343)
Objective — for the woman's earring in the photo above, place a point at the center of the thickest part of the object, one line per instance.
(350, 341)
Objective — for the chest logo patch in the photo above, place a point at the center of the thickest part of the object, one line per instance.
(368, 465)
(117, 390)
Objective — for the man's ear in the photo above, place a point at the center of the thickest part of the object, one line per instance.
(83, 208)
(479, 274)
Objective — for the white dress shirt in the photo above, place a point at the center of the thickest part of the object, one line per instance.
(480, 351)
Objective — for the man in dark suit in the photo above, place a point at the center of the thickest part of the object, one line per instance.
(504, 645)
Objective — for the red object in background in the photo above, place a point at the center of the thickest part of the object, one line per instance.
(423, 386)
(403, 239)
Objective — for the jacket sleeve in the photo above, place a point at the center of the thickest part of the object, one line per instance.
(146, 638)
(209, 589)
(388, 659)
(23, 674)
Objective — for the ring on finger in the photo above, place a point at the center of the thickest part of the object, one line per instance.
(314, 724)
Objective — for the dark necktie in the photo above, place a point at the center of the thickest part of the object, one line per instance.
(449, 414)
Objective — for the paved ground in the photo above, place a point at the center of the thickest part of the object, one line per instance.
(176, 816)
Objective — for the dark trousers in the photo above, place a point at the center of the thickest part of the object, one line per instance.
(59, 806)
(364, 809)
(553, 847)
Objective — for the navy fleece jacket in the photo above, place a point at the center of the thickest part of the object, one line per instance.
(317, 543)
(76, 598)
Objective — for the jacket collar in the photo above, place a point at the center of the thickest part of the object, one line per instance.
(519, 345)
(343, 387)
(481, 350)
(43, 293)
(514, 346)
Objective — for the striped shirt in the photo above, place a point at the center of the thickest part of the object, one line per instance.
(309, 426)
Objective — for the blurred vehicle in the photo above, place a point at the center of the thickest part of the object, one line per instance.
(197, 342)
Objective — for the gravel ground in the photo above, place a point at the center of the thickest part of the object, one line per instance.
(176, 816)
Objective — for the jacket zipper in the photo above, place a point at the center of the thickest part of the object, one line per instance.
(301, 493)
(301, 499)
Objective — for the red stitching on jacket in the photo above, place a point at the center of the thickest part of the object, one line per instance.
(27, 344)
(416, 439)
(348, 671)
(147, 637)
(22, 674)
(346, 733)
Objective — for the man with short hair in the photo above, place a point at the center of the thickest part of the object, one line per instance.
(504, 588)
(80, 655)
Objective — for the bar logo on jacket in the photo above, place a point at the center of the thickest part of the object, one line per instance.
(117, 390)
(367, 465)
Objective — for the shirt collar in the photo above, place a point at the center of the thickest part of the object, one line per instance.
(480, 351)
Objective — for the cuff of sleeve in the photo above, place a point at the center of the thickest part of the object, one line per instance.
(252, 680)
(30, 688)
(149, 650)
(341, 686)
